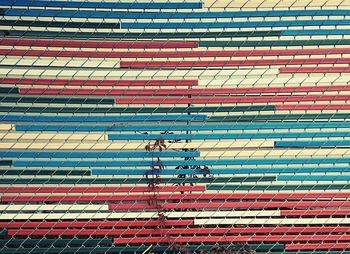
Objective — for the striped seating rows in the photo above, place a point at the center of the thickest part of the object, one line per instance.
(174, 126)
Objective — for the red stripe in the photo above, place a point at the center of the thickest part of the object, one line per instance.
(312, 107)
(82, 82)
(98, 44)
(315, 70)
(229, 63)
(166, 54)
(313, 246)
(315, 213)
(218, 99)
(172, 92)
(233, 205)
(91, 224)
(225, 239)
(199, 196)
(251, 231)
(98, 189)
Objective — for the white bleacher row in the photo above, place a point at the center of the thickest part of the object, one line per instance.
(101, 214)
(273, 221)
(234, 77)
(276, 4)
(114, 63)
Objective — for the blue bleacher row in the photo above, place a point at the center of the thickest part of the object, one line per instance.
(175, 163)
(131, 110)
(139, 172)
(163, 180)
(214, 183)
(225, 136)
(161, 5)
(194, 117)
(89, 118)
(187, 25)
(89, 154)
(130, 35)
(84, 245)
(143, 180)
(187, 127)
(224, 171)
(103, 5)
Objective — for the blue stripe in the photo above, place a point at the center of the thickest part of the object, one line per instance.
(222, 171)
(313, 178)
(75, 154)
(133, 118)
(191, 127)
(110, 180)
(164, 15)
(54, 242)
(60, 172)
(143, 163)
(315, 32)
(210, 136)
(253, 24)
(313, 143)
(106, 5)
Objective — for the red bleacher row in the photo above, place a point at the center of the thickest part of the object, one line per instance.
(89, 82)
(92, 224)
(98, 44)
(229, 63)
(99, 189)
(124, 227)
(225, 239)
(237, 99)
(172, 196)
(287, 232)
(174, 92)
(175, 64)
(153, 54)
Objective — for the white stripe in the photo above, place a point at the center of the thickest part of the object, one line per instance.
(6, 127)
(51, 136)
(272, 4)
(133, 215)
(212, 214)
(135, 74)
(56, 207)
(106, 145)
(242, 78)
(277, 153)
(79, 62)
(249, 78)
(60, 62)
(273, 221)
